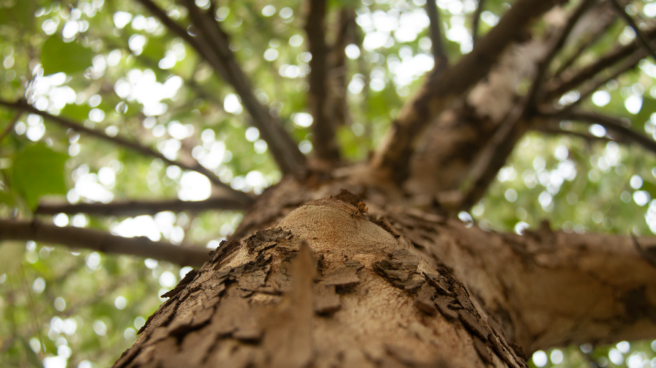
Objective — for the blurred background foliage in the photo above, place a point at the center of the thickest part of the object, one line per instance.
(110, 65)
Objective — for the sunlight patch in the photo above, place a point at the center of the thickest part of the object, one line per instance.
(194, 187)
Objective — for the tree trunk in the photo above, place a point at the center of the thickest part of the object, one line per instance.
(314, 280)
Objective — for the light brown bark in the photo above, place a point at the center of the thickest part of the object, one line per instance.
(343, 283)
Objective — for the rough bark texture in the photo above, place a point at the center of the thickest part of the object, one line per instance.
(338, 282)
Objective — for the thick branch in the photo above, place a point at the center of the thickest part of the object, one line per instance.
(642, 39)
(134, 208)
(212, 45)
(439, 53)
(323, 129)
(81, 238)
(135, 146)
(611, 123)
(337, 75)
(559, 42)
(437, 94)
(561, 288)
(477, 20)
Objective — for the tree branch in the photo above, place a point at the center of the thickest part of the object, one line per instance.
(82, 238)
(134, 207)
(642, 39)
(337, 74)
(589, 41)
(569, 288)
(559, 131)
(610, 123)
(437, 94)
(494, 156)
(135, 146)
(570, 81)
(435, 27)
(11, 125)
(323, 129)
(212, 45)
(477, 20)
(545, 63)
(597, 83)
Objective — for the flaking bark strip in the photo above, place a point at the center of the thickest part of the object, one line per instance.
(251, 275)
(518, 353)
(473, 324)
(501, 352)
(440, 283)
(481, 349)
(352, 199)
(400, 270)
(265, 239)
(282, 278)
(326, 300)
(424, 300)
(189, 277)
(442, 303)
(385, 224)
(344, 276)
(224, 250)
(162, 317)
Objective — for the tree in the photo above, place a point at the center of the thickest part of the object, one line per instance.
(346, 260)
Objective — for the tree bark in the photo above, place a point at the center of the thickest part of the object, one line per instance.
(344, 283)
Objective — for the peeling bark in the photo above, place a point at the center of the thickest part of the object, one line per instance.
(340, 283)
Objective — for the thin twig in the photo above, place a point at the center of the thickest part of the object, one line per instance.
(153, 64)
(589, 41)
(599, 82)
(323, 129)
(82, 238)
(135, 146)
(477, 20)
(134, 208)
(37, 324)
(439, 53)
(212, 45)
(570, 81)
(642, 39)
(545, 63)
(493, 156)
(610, 123)
(559, 131)
(11, 125)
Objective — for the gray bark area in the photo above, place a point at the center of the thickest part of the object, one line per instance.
(314, 280)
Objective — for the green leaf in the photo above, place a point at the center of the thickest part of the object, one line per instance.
(648, 108)
(59, 56)
(76, 112)
(155, 48)
(8, 198)
(16, 12)
(37, 171)
(32, 358)
(650, 188)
